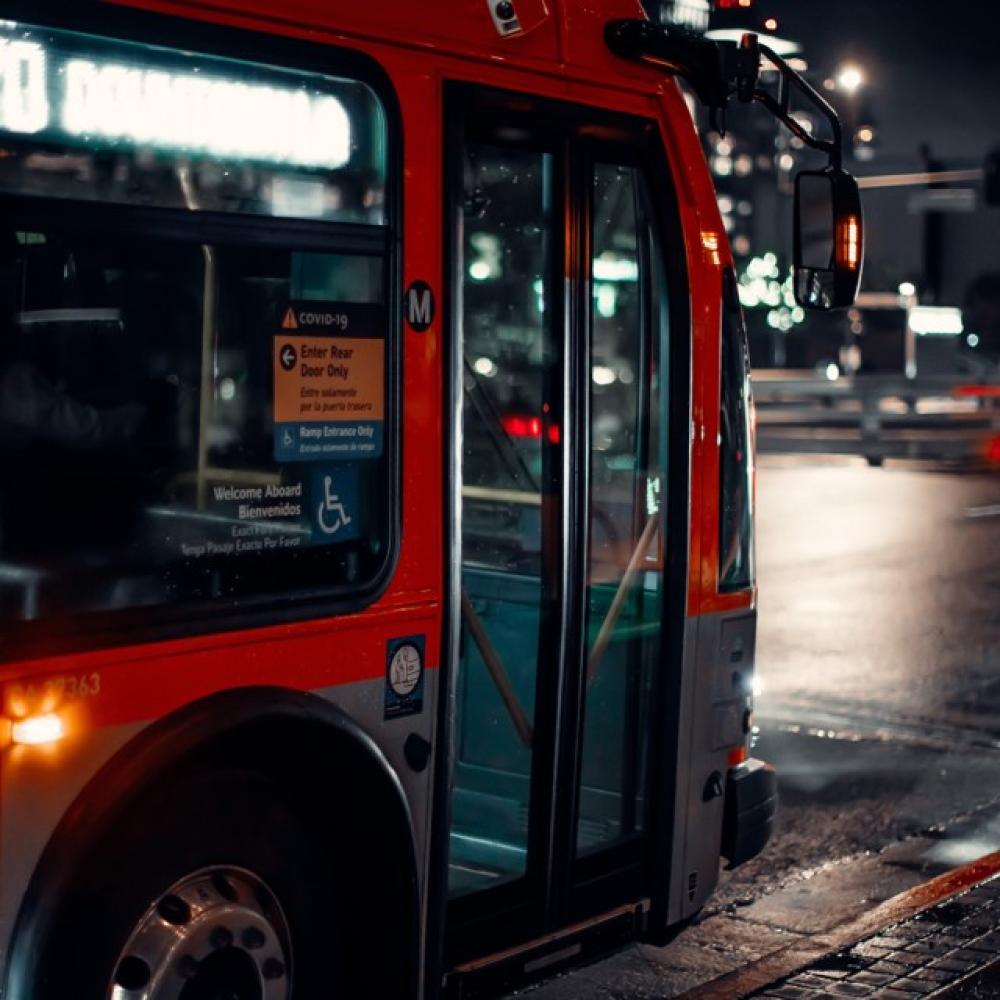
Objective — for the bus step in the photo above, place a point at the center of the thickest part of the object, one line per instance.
(516, 967)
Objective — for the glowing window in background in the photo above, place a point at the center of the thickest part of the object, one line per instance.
(941, 321)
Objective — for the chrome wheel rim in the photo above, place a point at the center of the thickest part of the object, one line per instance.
(216, 934)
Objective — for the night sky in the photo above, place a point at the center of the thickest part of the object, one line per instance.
(933, 67)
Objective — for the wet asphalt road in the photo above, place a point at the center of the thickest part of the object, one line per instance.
(879, 663)
(878, 656)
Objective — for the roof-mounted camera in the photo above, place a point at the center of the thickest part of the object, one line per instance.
(504, 15)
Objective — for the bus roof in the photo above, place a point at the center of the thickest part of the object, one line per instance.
(550, 35)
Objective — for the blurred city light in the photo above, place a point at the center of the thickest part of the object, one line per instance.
(936, 320)
(693, 14)
(850, 78)
(610, 268)
(780, 46)
(607, 300)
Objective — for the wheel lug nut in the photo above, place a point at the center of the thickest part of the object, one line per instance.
(221, 937)
(174, 910)
(187, 967)
(224, 887)
(253, 938)
(273, 969)
(132, 973)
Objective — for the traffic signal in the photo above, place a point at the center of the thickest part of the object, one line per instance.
(991, 178)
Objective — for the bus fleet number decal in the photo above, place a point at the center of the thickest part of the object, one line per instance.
(50, 693)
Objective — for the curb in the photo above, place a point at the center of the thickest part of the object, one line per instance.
(787, 961)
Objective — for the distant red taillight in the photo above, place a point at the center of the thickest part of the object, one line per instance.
(529, 427)
(977, 391)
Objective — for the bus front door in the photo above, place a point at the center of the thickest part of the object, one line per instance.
(561, 338)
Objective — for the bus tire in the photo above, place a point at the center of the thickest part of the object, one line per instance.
(214, 876)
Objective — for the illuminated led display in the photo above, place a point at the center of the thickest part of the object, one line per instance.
(84, 99)
(25, 105)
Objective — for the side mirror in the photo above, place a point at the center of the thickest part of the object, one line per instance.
(829, 239)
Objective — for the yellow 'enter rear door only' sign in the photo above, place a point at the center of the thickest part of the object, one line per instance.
(329, 382)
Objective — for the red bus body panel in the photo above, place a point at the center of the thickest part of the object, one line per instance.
(561, 55)
(558, 57)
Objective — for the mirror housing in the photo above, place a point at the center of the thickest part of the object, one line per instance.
(829, 239)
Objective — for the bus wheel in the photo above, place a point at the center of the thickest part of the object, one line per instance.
(211, 888)
(218, 932)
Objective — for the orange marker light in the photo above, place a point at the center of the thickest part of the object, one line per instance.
(710, 241)
(849, 242)
(37, 730)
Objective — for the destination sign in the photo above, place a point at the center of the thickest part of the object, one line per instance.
(55, 88)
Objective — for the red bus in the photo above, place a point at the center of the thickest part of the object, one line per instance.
(376, 557)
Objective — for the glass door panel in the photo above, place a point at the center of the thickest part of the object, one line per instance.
(624, 588)
(509, 433)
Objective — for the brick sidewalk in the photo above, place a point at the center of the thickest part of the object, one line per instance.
(924, 955)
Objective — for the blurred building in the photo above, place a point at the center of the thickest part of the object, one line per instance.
(753, 166)
(691, 14)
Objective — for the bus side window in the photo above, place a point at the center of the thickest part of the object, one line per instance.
(735, 454)
(171, 435)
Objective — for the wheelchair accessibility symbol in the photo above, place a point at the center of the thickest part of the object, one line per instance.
(332, 514)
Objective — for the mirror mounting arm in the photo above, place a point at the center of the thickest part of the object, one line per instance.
(719, 71)
(780, 108)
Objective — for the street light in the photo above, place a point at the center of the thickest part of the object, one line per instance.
(850, 78)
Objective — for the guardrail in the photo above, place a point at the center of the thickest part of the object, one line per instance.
(943, 418)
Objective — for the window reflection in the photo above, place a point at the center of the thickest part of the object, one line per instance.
(137, 441)
(625, 579)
